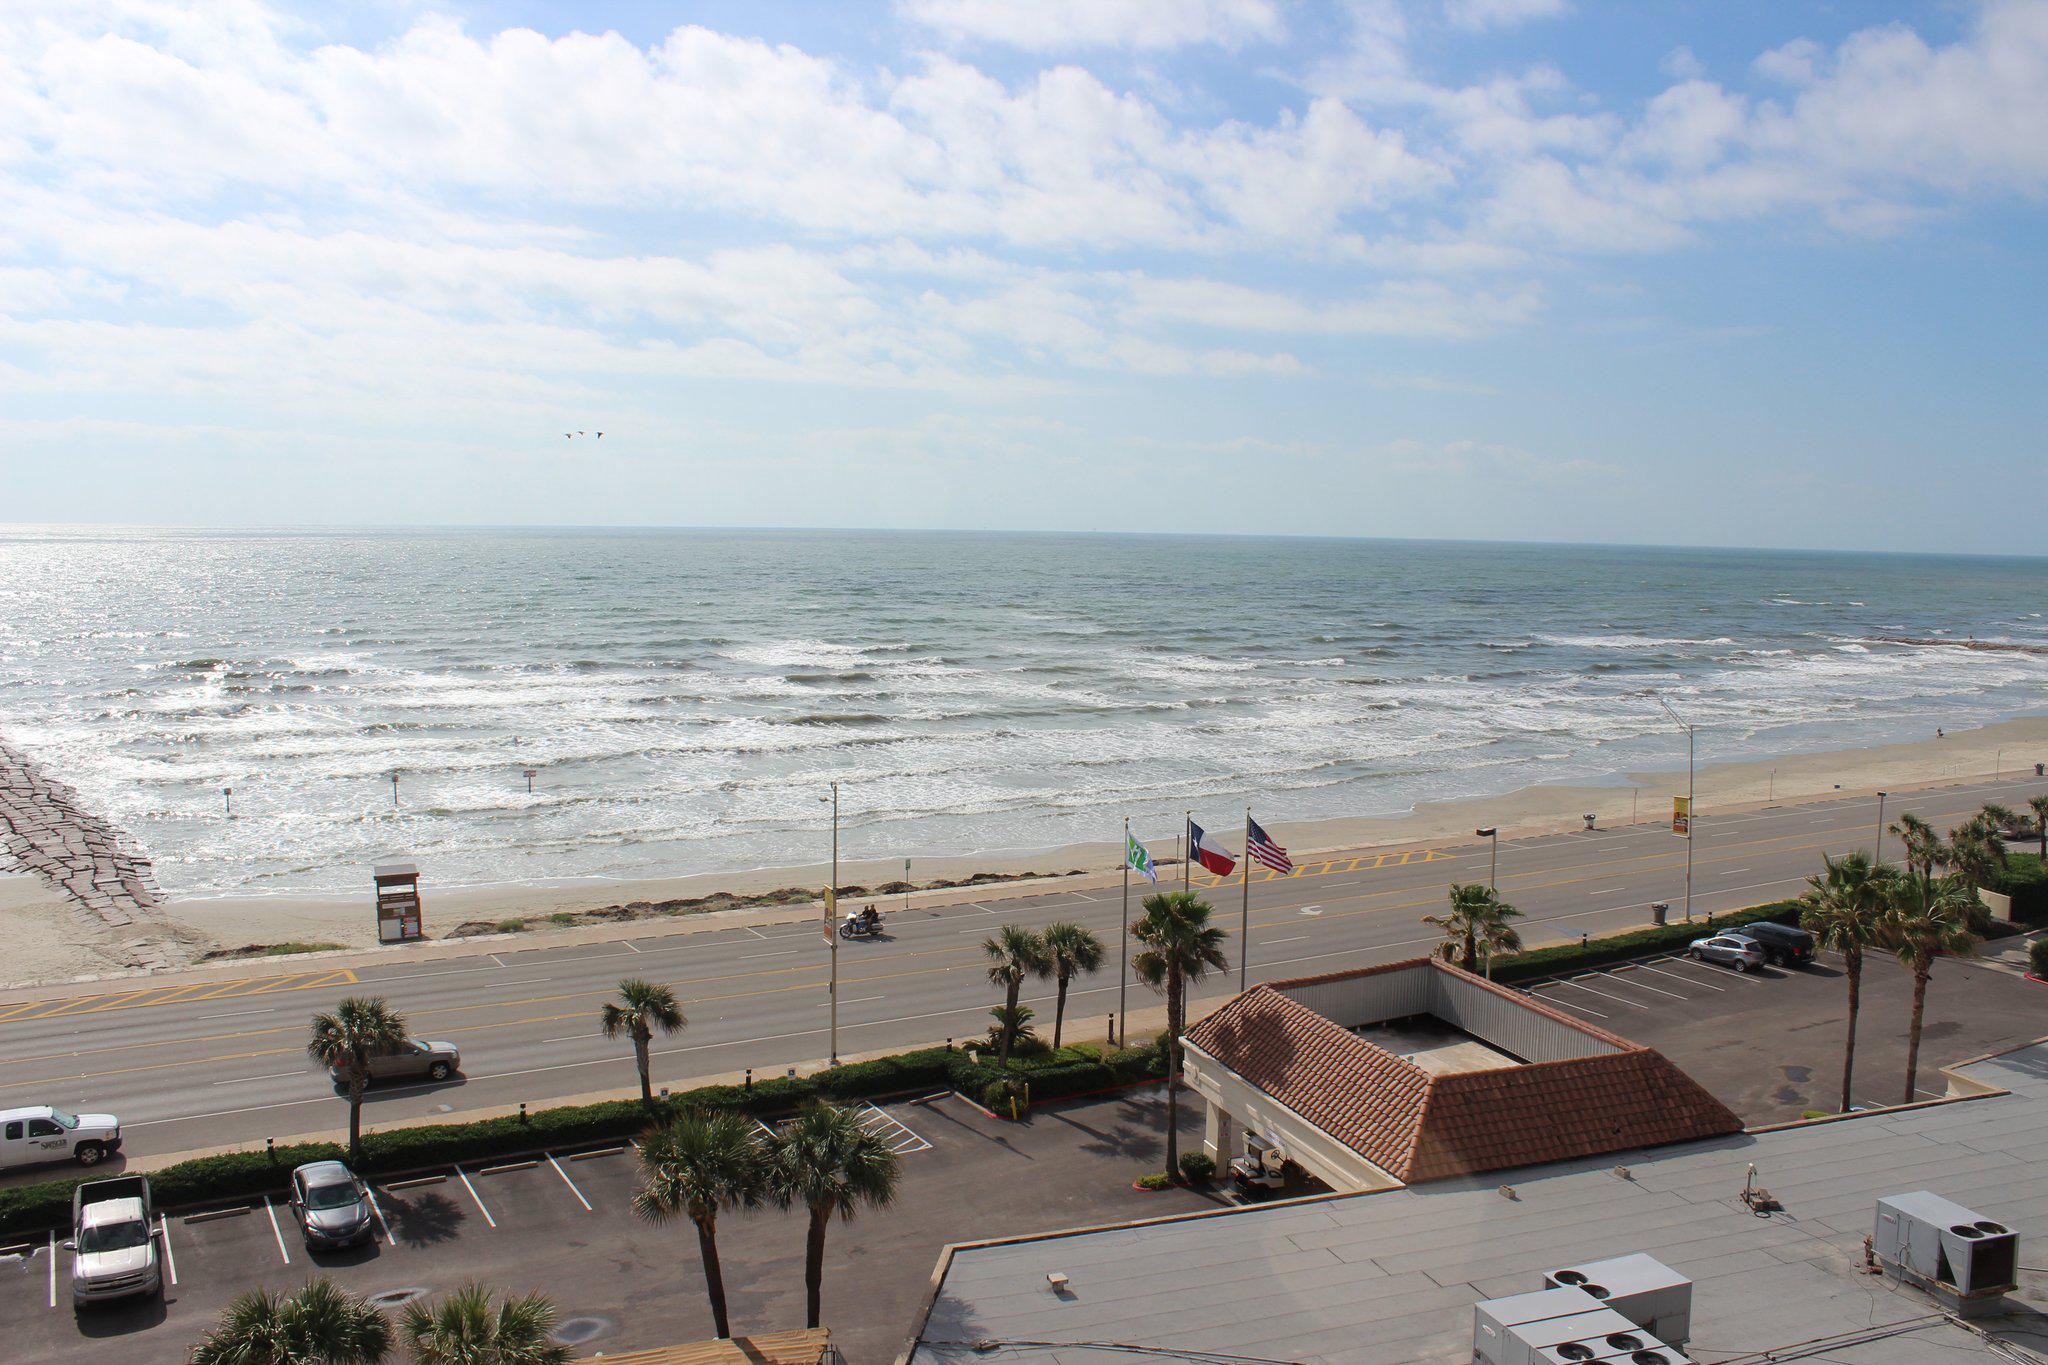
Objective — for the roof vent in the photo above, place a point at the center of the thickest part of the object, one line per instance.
(1626, 1341)
(1575, 1350)
(1570, 1279)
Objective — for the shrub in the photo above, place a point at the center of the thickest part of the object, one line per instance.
(2037, 957)
(1197, 1168)
(2026, 881)
(1008, 1095)
(1157, 1180)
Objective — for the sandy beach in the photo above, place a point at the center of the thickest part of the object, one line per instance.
(2011, 747)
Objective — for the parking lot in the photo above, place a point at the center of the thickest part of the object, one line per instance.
(562, 1225)
(1769, 1043)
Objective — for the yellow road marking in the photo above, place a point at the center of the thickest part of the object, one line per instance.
(148, 996)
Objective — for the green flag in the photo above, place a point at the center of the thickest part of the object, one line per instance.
(1138, 859)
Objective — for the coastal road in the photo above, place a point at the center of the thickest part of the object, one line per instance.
(195, 1065)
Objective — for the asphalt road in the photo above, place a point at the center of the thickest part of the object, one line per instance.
(192, 1066)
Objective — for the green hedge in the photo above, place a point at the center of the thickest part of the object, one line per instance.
(2026, 881)
(1599, 952)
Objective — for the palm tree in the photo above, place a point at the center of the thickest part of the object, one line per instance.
(1923, 848)
(2039, 805)
(465, 1328)
(826, 1161)
(360, 1028)
(1845, 910)
(1073, 951)
(1013, 954)
(1478, 919)
(1928, 917)
(643, 1007)
(1180, 947)
(696, 1166)
(1974, 851)
(317, 1324)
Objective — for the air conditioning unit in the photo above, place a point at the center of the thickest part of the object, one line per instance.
(1538, 1343)
(1494, 1320)
(1940, 1245)
(1637, 1347)
(1641, 1288)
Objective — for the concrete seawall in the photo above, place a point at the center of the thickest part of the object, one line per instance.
(106, 878)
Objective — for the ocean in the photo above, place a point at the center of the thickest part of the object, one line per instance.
(685, 697)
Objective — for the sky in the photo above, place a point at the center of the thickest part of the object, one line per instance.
(1700, 272)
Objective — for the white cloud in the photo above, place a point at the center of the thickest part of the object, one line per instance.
(1484, 14)
(1068, 25)
(1487, 461)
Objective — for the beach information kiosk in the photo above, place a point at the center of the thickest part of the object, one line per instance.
(398, 902)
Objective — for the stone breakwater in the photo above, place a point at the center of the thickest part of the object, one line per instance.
(108, 881)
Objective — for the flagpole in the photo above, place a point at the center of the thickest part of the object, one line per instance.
(1244, 918)
(1123, 972)
(1187, 845)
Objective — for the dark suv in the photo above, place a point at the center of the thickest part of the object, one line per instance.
(1783, 945)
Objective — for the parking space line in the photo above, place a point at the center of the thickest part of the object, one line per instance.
(163, 1229)
(1677, 977)
(630, 944)
(1565, 1004)
(53, 1270)
(275, 1231)
(570, 1183)
(1727, 972)
(1636, 1004)
(1646, 986)
(474, 1195)
(378, 1208)
(902, 1139)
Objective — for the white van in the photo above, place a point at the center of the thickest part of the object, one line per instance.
(38, 1133)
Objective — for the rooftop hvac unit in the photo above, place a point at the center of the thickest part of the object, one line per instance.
(1656, 1353)
(1495, 1319)
(1941, 1245)
(1596, 1349)
(1641, 1288)
(1538, 1343)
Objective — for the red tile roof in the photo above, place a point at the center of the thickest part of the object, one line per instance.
(1417, 1126)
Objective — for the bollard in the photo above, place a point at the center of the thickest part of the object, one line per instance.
(1112, 1029)
(949, 1045)
(270, 1150)
(748, 1084)
(1582, 938)
(522, 1111)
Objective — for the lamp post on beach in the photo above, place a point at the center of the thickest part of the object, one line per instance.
(1692, 813)
(1491, 832)
(227, 796)
(394, 786)
(831, 929)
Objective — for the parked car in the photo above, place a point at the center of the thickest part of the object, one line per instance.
(40, 1133)
(332, 1206)
(1743, 954)
(416, 1058)
(113, 1241)
(1783, 944)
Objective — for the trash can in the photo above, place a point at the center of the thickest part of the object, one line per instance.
(2041, 770)
(1661, 911)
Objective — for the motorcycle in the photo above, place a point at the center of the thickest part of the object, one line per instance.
(861, 924)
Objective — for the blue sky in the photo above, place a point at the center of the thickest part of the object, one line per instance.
(1695, 273)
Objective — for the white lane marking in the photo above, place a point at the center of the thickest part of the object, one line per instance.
(275, 1231)
(495, 958)
(780, 952)
(237, 1014)
(861, 1001)
(570, 1183)
(378, 1209)
(1637, 1004)
(630, 944)
(272, 1076)
(1731, 871)
(1601, 891)
(1296, 938)
(1645, 986)
(1724, 972)
(53, 1270)
(983, 908)
(755, 932)
(474, 1195)
(163, 1228)
(1311, 910)
(1675, 976)
(571, 1038)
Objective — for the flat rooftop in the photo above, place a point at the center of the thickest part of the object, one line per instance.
(1438, 1048)
(1389, 1278)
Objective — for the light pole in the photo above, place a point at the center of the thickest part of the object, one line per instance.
(1493, 863)
(1692, 813)
(394, 786)
(906, 883)
(831, 929)
(1878, 857)
(227, 796)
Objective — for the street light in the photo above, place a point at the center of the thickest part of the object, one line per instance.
(1879, 856)
(831, 929)
(1692, 813)
(1493, 863)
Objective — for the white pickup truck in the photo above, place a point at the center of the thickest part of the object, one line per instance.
(39, 1133)
(113, 1241)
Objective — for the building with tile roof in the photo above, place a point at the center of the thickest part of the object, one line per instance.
(1417, 1071)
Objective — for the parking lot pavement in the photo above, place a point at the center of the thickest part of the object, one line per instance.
(563, 1225)
(1769, 1043)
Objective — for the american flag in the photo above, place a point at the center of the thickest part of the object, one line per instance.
(1260, 848)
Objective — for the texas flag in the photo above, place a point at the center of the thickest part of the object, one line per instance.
(1207, 854)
